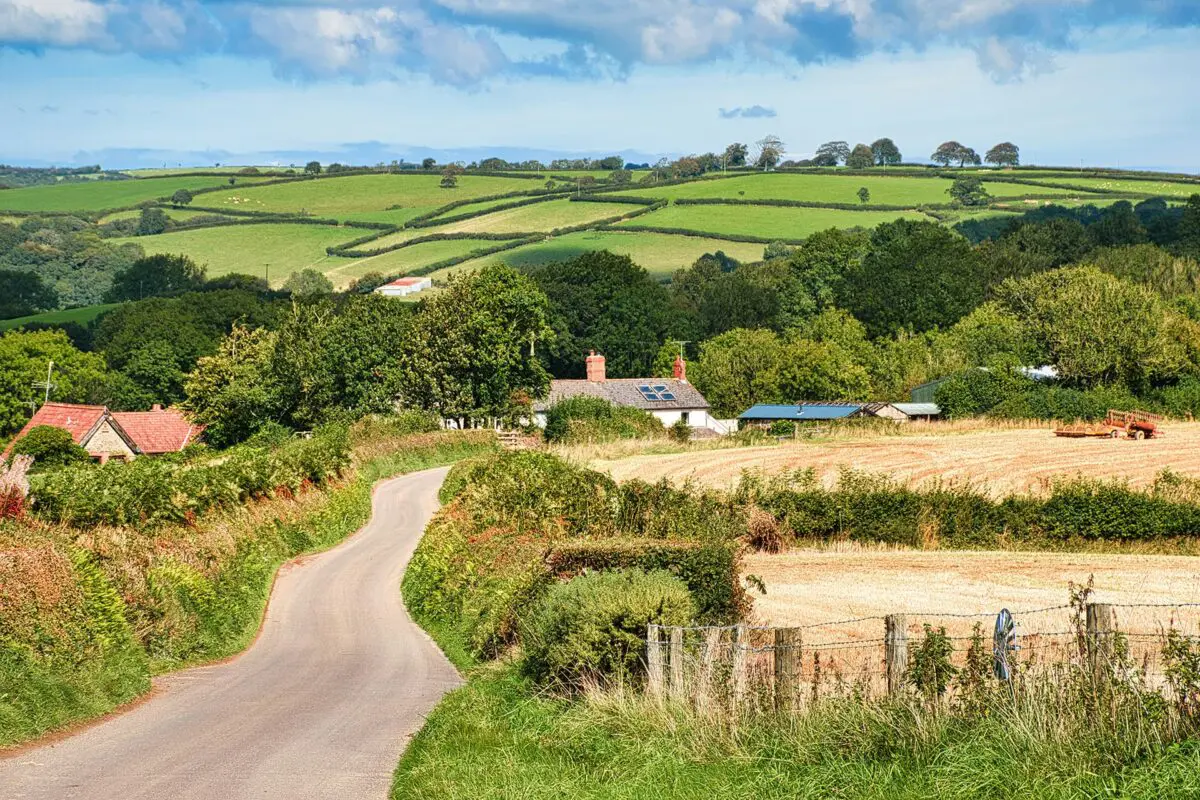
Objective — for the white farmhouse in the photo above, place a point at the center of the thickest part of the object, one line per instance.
(403, 287)
(667, 399)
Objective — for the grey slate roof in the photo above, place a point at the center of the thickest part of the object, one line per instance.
(624, 392)
(919, 409)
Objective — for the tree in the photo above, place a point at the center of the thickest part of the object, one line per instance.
(969, 191)
(620, 177)
(1188, 233)
(156, 276)
(739, 368)
(23, 293)
(610, 163)
(367, 283)
(864, 195)
(1117, 226)
(181, 197)
(735, 155)
(687, 167)
(312, 168)
(233, 392)
(860, 157)
(428, 163)
(886, 153)
(603, 302)
(1005, 154)
(50, 447)
(468, 350)
(450, 175)
(822, 262)
(770, 152)
(308, 283)
(831, 154)
(949, 152)
(916, 275)
(152, 221)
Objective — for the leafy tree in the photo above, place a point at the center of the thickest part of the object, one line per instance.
(610, 163)
(821, 263)
(308, 283)
(738, 369)
(949, 152)
(1032, 247)
(468, 349)
(831, 154)
(861, 157)
(770, 152)
(152, 221)
(1005, 154)
(312, 168)
(886, 153)
(688, 167)
(156, 276)
(812, 371)
(50, 447)
(428, 163)
(78, 377)
(1188, 232)
(864, 195)
(619, 177)
(1118, 226)
(969, 191)
(1151, 266)
(233, 392)
(182, 197)
(735, 155)
(916, 275)
(235, 280)
(367, 283)
(603, 302)
(1097, 329)
(450, 175)
(23, 293)
(990, 335)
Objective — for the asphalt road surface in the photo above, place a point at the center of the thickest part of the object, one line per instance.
(321, 706)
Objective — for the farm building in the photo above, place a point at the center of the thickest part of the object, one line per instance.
(403, 287)
(122, 435)
(667, 399)
(763, 414)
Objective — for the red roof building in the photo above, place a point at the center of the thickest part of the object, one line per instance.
(123, 435)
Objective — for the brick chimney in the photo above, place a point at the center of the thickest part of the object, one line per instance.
(156, 407)
(680, 369)
(595, 367)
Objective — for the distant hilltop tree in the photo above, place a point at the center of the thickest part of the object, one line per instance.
(949, 152)
(831, 154)
(886, 153)
(770, 152)
(428, 163)
(450, 176)
(312, 168)
(861, 157)
(1005, 154)
(181, 197)
(735, 155)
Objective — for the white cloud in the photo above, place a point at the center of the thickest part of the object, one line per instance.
(54, 23)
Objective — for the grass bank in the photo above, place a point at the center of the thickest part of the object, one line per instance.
(88, 615)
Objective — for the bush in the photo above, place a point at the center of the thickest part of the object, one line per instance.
(592, 419)
(593, 628)
(783, 427)
(50, 447)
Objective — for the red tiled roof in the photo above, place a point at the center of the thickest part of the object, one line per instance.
(406, 282)
(76, 420)
(160, 431)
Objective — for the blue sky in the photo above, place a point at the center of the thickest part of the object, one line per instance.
(144, 82)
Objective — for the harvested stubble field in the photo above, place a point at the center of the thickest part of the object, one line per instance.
(998, 461)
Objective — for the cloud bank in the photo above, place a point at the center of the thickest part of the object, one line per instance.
(749, 112)
(468, 42)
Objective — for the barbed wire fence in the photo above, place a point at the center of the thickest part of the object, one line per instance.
(749, 668)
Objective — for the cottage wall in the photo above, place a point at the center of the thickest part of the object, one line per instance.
(106, 443)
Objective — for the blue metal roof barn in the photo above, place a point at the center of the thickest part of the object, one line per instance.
(800, 413)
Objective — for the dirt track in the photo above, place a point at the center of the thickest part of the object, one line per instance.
(1002, 461)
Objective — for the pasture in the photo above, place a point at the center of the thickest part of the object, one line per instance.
(80, 316)
(1151, 187)
(274, 249)
(178, 214)
(767, 222)
(102, 195)
(1000, 460)
(342, 271)
(540, 217)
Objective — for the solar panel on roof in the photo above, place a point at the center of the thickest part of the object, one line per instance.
(652, 393)
(666, 396)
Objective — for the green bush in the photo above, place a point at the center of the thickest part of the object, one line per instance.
(782, 427)
(50, 447)
(593, 628)
(592, 419)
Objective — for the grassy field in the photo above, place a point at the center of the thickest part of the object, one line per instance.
(278, 249)
(100, 195)
(1160, 188)
(364, 197)
(471, 208)
(81, 316)
(765, 221)
(173, 213)
(1003, 460)
(540, 217)
(661, 254)
(828, 189)
(342, 271)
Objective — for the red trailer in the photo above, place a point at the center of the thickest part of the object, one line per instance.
(1131, 424)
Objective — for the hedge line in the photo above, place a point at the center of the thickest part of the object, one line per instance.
(616, 198)
(722, 201)
(726, 237)
(346, 251)
(482, 212)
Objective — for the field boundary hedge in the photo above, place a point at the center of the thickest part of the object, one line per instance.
(723, 201)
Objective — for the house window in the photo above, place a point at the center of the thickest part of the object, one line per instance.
(685, 417)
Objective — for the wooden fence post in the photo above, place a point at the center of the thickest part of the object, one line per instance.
(1101, 623)
(708, 663)
(654, 660)
(787, 668)
(740, 643)
(895, 640)
(677, 687)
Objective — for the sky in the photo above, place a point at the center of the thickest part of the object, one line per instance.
(128, 83)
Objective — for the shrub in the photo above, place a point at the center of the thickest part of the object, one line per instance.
(681, 432)
(593, 628)
(783, 427)
(50, 447)
(593, 419)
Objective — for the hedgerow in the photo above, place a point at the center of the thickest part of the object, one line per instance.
(593, 419)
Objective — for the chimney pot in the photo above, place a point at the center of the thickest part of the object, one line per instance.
(680, 369)
(595, 367)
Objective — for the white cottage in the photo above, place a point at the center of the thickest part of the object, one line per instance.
(403, 287)
(667, 399)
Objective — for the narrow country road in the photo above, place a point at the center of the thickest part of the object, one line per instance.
(321, 706)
